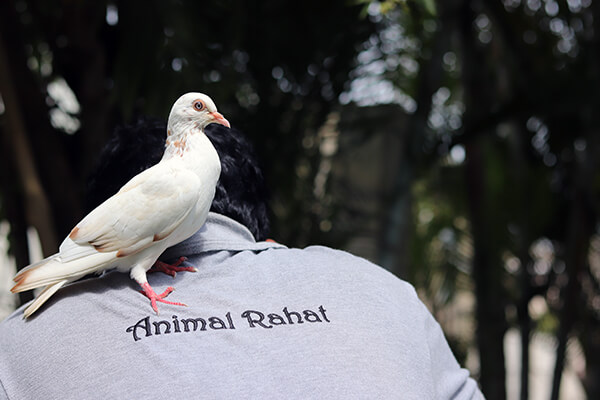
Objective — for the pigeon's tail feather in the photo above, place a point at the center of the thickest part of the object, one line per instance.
(22, 274)
(52, 270)
(43, 297)
(54, 274)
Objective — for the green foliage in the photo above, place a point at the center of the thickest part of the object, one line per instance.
(387, 6)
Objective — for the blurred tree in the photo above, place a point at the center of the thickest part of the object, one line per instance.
(502, 134)
(77, 69)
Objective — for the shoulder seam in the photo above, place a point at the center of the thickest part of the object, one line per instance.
(3, 389)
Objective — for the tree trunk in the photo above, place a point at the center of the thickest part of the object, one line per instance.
(487, 270)
(37, 208)
(13, 210)
(525, 328)
(491, 323)
(520, 175)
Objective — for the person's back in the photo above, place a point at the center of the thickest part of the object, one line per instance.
(263, 321)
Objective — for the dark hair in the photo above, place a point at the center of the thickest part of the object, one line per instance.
(241, 192)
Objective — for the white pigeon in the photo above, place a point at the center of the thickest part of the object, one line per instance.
(156, 209)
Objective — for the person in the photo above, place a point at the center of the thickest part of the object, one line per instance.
(263, 320)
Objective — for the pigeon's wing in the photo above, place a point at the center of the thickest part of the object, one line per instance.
(147, 209)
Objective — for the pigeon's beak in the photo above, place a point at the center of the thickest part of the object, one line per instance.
(219, 119)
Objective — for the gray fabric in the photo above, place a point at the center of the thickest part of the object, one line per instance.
(270, 322)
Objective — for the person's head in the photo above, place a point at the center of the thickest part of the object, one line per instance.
(241, 191)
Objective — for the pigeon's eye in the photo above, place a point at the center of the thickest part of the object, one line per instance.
(199, 105)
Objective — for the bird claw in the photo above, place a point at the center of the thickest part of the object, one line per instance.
(154, 297)
(171, 269)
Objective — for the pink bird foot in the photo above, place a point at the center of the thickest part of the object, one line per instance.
(151, 294)
(171, 269)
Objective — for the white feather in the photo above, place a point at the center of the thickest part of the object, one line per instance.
(43, 297)
(156, 209)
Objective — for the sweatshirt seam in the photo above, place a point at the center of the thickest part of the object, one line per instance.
(4, 389)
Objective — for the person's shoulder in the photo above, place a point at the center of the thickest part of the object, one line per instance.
(343, 267)
(11, 333)
(72, 305)
(341, 259)
(347, 260)
(10, 319)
